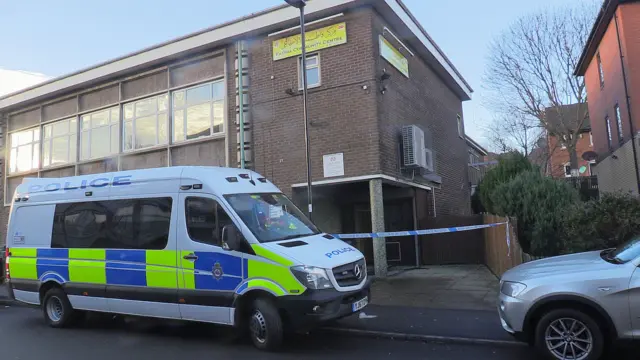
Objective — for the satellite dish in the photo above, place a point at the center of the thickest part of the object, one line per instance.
(589, 155)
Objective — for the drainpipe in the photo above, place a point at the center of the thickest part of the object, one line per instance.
(626, 93)
(241, 103)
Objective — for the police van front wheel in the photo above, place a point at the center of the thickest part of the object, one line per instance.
(57, 309)
(265, 325)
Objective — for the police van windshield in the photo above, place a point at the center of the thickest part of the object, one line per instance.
(271, 217)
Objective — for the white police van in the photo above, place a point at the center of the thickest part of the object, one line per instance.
(204, 244)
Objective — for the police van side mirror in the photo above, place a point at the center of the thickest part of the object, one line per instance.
(231, 237)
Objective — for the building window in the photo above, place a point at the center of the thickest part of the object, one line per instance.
(99, 134)
(600, 71)
(590, 139)
(24, 152)
(145, 123)
(198, 111)
(619, 123)
(591, 163)
(567, 170)
(460, 127)
(313, 71)
(59, 145)
(608, 124)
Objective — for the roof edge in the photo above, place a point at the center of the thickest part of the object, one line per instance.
(474, 144)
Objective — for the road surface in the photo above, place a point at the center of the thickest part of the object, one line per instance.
(24, 336)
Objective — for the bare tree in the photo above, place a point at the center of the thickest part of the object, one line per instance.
(530, 72)
(514, 133)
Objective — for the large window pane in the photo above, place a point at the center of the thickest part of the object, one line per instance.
(199, 94)
(24, 153)
(59, 150)
(60, 128)
(100, 132)
(145, 129)
(128, 135)
(204, 114)
(218, 117)
(145, 107)
(162, 128)
(198, 121)
(60, 142)
(178, 125)
(115, 146)
(128, 111)
(163, 103)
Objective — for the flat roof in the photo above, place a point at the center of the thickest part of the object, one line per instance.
(272, 19)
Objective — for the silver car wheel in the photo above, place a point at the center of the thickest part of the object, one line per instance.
(54, 309)
(569, 339)
(258, 327)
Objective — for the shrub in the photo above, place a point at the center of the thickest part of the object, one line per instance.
(603, 223)
(509, 166)
(538, 203)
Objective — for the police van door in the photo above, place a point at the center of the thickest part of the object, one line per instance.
(210, 274)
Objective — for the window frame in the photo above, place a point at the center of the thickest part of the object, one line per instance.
(607, 122)
(135, 118)
(565, 169)
(460, 126)
(35, 145)
(72, 137)
(600, 70)
(616, 110)
(212, 101)
(110, 124)
(309, 67)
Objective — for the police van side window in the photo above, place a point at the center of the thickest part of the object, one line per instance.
(205, 220)
(115, 224)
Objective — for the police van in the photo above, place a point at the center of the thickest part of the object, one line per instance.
(204, 244)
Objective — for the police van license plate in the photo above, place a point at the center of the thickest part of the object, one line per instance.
(360, 304)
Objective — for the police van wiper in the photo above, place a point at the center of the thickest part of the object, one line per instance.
(289, 237)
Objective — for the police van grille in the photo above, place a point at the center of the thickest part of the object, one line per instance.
(345, 276)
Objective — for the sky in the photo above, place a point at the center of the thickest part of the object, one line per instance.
(40, 39)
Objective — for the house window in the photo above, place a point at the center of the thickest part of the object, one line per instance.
(313, 71)
(619, 123)
(24, 152)
(460, 127)
(59, 145)
(600, 71)
(145, 123)
(567, 170)
(99, 134)
(608, 124)
(565, 140)
(591, 163)
(590, 139)
(198, 111)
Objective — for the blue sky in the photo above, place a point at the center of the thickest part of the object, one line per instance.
(57, 37)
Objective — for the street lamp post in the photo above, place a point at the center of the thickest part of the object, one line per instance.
(300, 4)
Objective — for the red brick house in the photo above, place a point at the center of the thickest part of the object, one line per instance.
(610, 63)
(559, 162)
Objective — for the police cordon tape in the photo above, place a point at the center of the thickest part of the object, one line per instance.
(417, 232)
(428, 232)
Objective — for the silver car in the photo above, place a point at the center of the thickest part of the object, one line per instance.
(574, 306)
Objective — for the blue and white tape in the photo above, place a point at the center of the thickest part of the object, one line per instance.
(417, 232)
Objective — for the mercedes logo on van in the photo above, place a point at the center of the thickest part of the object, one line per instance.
(357, 271)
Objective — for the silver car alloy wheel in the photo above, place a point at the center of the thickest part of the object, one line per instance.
(54, 309)
(568, 339)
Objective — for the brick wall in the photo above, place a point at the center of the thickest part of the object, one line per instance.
(343, 116)
(630, 33)
(423, 99)
(560, 156)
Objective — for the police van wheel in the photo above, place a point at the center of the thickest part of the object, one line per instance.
(57, 309)
(265, 325)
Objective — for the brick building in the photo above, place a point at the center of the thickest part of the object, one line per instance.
(372, 69)
(559, 162)
(610, 63)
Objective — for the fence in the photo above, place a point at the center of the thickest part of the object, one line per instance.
(500, 254)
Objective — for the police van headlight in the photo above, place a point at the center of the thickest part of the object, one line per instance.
(312, 277)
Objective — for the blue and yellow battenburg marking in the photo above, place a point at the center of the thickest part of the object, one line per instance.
(157, 268)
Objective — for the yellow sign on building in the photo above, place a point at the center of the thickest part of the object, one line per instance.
(318, 39)
(393, 56)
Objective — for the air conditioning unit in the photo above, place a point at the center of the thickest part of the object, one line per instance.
(413, 149)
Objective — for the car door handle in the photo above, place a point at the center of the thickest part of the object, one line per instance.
(191, 257)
